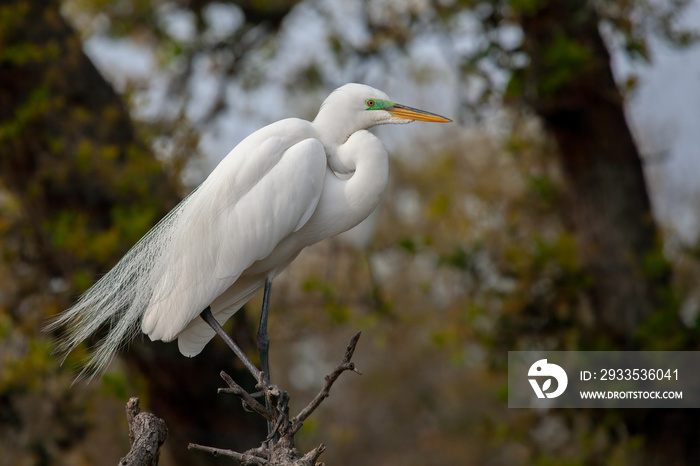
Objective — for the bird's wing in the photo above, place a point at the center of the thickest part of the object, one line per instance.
(240, 213)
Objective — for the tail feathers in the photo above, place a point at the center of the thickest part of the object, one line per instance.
(118, 300)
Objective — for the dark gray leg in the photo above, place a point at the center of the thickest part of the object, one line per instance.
(209, 318)
(264, 350)
(263, 340)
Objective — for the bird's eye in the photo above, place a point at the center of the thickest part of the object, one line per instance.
(369, 102)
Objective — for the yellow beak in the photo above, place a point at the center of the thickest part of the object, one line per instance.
(408, 113)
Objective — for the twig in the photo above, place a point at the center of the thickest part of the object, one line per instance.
(345, 365)
(249, 401)
(133, 408)
(313, 455)
(244, 458)
(278, 448)
(147, 432)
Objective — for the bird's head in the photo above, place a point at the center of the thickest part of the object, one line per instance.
(353, 107)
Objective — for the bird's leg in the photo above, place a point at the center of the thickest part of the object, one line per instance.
(263, 340)
(264, 350)
(209, 319)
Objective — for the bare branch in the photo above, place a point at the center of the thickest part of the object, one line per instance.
(278, 448)
(133, 408)
(313, 455)
(245, 459)
(345, 365)
(248, 400)
(147, 432)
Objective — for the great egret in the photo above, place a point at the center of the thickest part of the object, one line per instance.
(285, 187)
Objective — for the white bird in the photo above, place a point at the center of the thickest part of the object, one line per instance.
(285, 187)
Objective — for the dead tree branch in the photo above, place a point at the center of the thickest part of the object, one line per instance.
(247, 399)
(278, 449)
(245, 459)
(345, 365)
(147, 433)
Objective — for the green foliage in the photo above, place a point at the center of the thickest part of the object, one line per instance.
(561, 251)
(565, 59)
(134, 221)
(409, 245)
(656, 265)
(459, 258)
(663, 331)
(82, 279)
(335, 309)
(21, 52)
(5, 325)
(440, 205)
(26, 368)
(516, 86)
(38, 104)
(525, 6)
(26, 52)
(310, 427)
(543, 187)
(115, 384)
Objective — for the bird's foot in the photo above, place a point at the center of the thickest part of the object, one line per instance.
(277, 402)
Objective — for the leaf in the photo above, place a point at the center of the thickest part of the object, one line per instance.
(546, 385)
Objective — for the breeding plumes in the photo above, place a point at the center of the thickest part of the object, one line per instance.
(285, 187)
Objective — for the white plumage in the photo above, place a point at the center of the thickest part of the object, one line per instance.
(274, 194)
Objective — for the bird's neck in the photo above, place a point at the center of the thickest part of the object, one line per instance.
(332, 134)
(355, 183)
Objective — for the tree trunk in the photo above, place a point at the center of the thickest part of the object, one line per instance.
(570, 85)
(87, 188)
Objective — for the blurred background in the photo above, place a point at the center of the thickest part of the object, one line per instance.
(559, 212)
